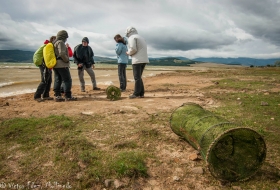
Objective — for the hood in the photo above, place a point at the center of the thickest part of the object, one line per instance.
(62, 35)
(85, 39)
(130, 31)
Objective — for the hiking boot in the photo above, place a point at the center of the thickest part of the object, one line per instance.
(59, 99)
(39, 99)
(71, 99)
(47, 98)
(133, 96)
(96, 88)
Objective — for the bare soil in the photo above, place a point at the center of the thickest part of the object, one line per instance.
(164, 93)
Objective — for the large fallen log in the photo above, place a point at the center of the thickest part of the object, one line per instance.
(232, 153)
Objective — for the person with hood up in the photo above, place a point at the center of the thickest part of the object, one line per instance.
(83, 57)
(61, 69)
(43, 90)
(137, 49)
(121, 50)
(70, 54)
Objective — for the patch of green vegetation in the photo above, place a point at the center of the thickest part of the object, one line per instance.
(58, 148)
(130, 164)
(152, 133)
(237, 84)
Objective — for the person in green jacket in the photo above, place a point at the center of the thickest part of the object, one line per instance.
(43, 90)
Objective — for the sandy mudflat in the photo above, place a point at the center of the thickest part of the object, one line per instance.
(157, 96)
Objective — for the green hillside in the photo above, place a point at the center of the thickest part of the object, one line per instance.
(16, 56)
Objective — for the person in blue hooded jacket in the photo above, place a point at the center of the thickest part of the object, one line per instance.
(121, 50)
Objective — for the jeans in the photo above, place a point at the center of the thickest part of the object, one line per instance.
(122, 75)
(45, 84)
(137, 73)
(90, 73)
(62, 74)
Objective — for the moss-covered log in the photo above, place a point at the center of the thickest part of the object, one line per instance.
(113, 92)
(232, 152)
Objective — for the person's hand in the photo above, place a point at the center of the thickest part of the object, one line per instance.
(80, 65)
(127, 53)
(93, 66)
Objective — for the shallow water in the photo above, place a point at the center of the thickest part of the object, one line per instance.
(18, 78)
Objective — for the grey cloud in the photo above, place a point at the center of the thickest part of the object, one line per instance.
(258, 18)
(166, 25)
(166, 39)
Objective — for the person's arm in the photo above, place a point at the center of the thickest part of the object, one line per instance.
(118, 49)
(91, 54)
(132, 48)
(76, 59)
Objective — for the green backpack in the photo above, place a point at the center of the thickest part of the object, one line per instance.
(38, 56)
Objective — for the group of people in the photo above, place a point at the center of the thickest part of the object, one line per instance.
(132, 45)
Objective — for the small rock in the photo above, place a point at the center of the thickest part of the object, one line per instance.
(79, 176)
(176, 178)
(210, 102)
(153, 182)
(108, 182)
(197, 170)
(193, 157)
(87, 113)
(118, 184)
(264, 104)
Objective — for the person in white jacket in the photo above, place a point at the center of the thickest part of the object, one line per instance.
(137, 49)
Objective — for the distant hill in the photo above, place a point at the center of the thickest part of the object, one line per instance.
(239, 61)
(16, 56)
(27, 56)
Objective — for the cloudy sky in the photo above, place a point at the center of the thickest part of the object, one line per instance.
(188, 28)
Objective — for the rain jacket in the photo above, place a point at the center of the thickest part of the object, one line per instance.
(83, 55)
(121, 50)
(137, 47)
(61, 50)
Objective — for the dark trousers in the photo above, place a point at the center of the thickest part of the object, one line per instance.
(45, 84)
(122, 75)
(62, 74)
(137, 73)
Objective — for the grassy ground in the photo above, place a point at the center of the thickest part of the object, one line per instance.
(82, 152)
